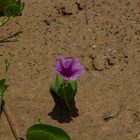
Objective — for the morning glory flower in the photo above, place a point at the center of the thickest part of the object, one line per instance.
(68, 68)
(64, 85)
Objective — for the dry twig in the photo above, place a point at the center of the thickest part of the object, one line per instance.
(10, 36)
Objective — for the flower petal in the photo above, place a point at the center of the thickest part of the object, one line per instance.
(66, 62)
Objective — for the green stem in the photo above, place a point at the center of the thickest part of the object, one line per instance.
(39, 120)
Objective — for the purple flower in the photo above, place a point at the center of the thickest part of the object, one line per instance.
(68, 68)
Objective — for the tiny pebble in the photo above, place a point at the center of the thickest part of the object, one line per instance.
(93, 46)
(108, 117)
(89, 30)
(20, 64)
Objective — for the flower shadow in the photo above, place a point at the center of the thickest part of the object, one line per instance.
(60, 112)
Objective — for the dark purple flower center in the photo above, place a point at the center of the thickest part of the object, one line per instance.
(67, 68)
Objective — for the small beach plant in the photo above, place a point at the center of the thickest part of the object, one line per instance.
(68, 70)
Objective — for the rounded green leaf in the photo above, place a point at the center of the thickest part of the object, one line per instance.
(46, 132)
(12, 10)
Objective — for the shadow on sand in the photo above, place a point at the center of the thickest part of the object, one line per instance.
(60, 112)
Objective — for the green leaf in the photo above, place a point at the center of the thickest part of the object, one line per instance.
(2, 89)
(73, 85)
(12, 10)
(2, 86)
(10, 7)
(46, 132)
(70, 93)
(67, 92)
(56, 84)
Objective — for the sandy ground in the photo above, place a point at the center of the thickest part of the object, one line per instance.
(105, 36)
